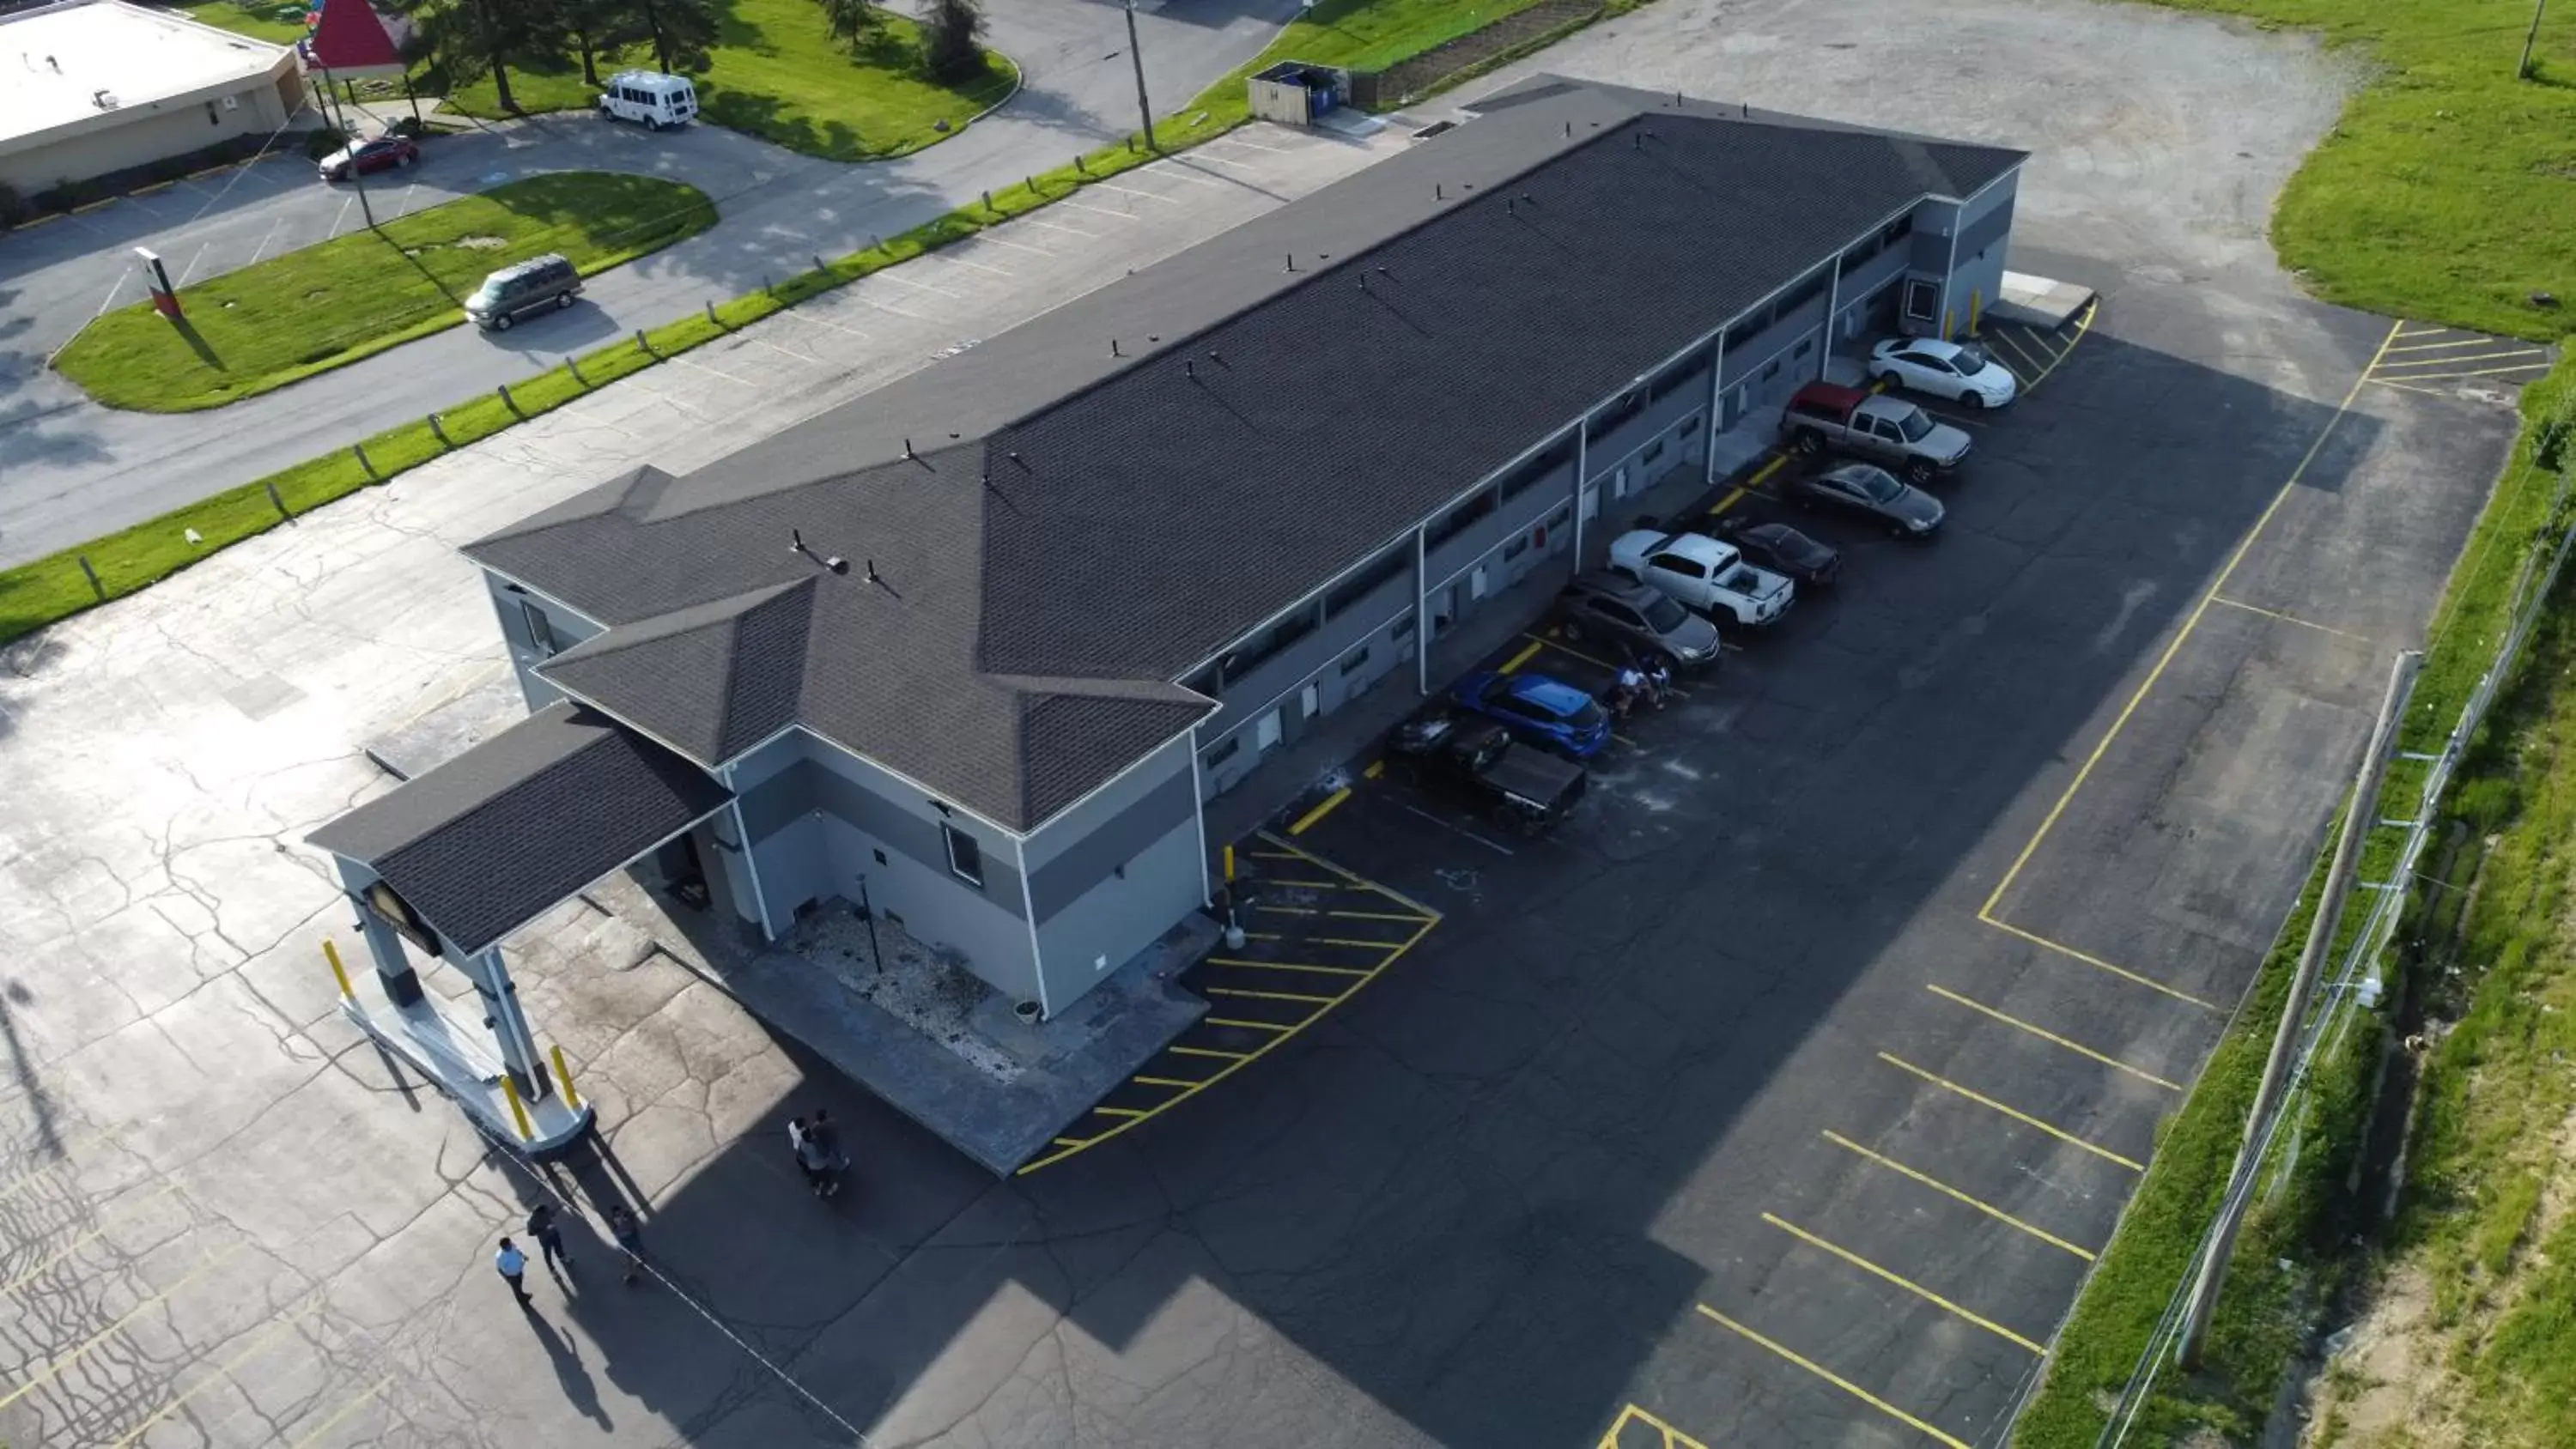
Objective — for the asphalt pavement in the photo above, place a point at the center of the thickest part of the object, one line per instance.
(71, 470)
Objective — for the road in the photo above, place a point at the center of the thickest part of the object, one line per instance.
(71, 470)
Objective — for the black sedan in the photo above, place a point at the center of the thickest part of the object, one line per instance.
(1873, 493)
(1783, 550)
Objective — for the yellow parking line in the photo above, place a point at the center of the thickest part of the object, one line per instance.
(1249, 994)
(1245, 1024)
(1946, 994)
(1908, 1284)
(2123, 972)
(2014, 1113)
(1263, 936)
(1329, 804)
(1513, 664)
(2028, 370)
(209, 1381)
(2429, 346)
(1073, 1142)
(1287, 966)
(1318, 885)
(2478, 372)
(93, 206)
(1163, 1081)
(343, 1412)
(2292, 619)
(1729, 501)
(1375, 769)
(62, 1157)
(1616, 1437)
(1117, 1111)
(1352, 941)
(1577, 653)
(75, 1245)
(1989, 1209)
(2190, 623)
(2083, 326)
(95, 1339)
(2455, 361)
(1829, 1376)
(1378, 916)
(1191, 1051)
(1272, 855)
(1287, 910)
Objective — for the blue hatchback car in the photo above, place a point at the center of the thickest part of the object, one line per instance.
(1541, 710)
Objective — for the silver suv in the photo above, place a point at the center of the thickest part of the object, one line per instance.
(1603, 605)
(508, 294)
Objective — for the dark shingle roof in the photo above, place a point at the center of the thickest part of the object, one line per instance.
(1106, 523)
(486, 842)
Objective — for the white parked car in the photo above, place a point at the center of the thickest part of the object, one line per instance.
(1960, 370)
(1709, 574)
(649, 98)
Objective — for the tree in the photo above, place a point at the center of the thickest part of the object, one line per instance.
(852, 22)
(592, 28)
(682, 32)
(948, 34)
(476, 38)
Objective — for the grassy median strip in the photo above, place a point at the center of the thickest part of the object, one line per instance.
(2263, 1314)
(54, 588)
(2445, 190)
(273, 322)
(776, 72)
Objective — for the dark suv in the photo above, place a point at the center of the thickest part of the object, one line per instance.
(547, 281)
(1603, 605)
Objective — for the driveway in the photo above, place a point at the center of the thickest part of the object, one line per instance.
(71, 470)
(1562, 1175)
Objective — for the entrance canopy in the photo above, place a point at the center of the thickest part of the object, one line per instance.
(515, 826)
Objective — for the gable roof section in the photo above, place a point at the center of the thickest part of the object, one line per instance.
(504, 832)
(1114, 520)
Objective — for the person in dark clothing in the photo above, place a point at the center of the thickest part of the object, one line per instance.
(816, 1162)
(549, 1236)
(827, 1132)
(630, 1239)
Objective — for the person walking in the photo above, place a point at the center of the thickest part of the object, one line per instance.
(549, 1235)
(816, 1160)
(630, 1239)
(825, 1131)
(796, 1140)
(513, 1266)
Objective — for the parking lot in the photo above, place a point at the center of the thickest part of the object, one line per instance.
(1815, 1055)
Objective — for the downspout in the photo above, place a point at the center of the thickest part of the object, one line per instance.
(1582, 466)
(1716, 396)
(750, 860)
(1833, 303)
(1950, 269)
(1422, 604)
(1028, 904)
(1198, 814)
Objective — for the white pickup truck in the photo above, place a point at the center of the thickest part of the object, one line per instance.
(1706, 573)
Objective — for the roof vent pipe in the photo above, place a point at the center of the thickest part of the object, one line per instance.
(872, 572)
(1292, 261)
(907, 447)
(1113, 348)
(1439, 192)
(1189, 369)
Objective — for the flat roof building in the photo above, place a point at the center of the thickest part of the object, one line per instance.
(991, 636)
(90, 87)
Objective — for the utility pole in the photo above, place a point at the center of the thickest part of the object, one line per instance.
(2358, 818)
(1144, 107)
(2520, 72)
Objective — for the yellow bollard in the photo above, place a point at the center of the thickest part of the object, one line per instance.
(1949, 323)
(518, 1109)
(1975, 307)
(563, 1074)
(331, 953)
(1229, 865)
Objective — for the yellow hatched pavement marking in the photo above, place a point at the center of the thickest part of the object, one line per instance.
(1829, 1376)
(95, 1339)
(344, 1411)
(312, 1306)
(1908, 1284)
(1271, 995)
(1616, 1437)
(1237, 1061)
(1247, 1025)
(1287, 966)
(2015, 1113)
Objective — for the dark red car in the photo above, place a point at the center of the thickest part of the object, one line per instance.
(381, 154)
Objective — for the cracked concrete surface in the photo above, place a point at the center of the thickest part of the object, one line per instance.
(1477, 1207)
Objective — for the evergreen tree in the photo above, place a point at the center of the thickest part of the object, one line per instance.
(852, 22)
(948, 34)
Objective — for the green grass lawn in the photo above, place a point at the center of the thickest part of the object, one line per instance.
(308, 311)
(283, 23)
(776, 73)
(1375, 34)
(2448, 189)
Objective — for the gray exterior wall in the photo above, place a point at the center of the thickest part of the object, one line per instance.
(526, 652)
(818, 819)
(1983, 227)
(142, 133)
(1111, 874)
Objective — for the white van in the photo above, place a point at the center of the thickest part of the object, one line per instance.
(651, 97)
